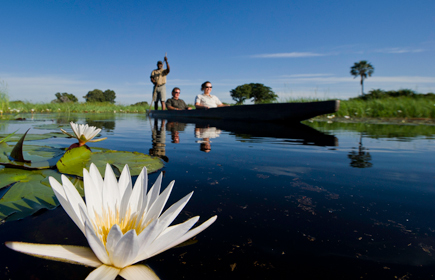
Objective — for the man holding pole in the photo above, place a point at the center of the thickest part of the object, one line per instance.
(158, 78)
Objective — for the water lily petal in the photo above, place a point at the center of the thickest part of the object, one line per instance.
(96, 176)
(67, 133)
(75, 128)
(125, 189)
(94, 203)
(113, 238)
(172, 212)
(181, 229)
(157, 206)
(166, 238)
(162, 223)
(124, 182)
(154, 191)
(74, 199)
(187, 236)
(126, 250)
(96, 245)
(110, 189)
(98, 140)
(147, 236)
(138, 272)
(141, 184)
(104, 272)
(138, 194)
(64, 253)
(63, 200)
(91, 132)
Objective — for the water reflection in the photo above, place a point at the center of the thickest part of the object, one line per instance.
(360, 158)
(175, 128)
(159, 140)
(104, 124)
(205, 133)
(65, 119)
(286, 209)
(293, 133)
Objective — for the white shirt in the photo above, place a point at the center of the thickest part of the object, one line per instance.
(209, 132)
(210, 101)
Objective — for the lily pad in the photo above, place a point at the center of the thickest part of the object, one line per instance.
(32, 137)
(41, 157)
(30, 193)
(73, 162)
(51, 126)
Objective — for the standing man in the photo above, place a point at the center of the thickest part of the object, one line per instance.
(158, 78)
(175, 103)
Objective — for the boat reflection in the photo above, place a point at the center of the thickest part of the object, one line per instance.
(292, 133)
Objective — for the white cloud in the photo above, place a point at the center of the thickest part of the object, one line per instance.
(305, 75)
(287, 55)
(399, 50)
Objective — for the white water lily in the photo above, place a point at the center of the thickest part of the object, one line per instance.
(84, 133)
(123, 224)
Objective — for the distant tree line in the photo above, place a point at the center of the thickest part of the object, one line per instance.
(259, 93)
(64, 98)
(98, 95)
(95, 95)
(382, 94)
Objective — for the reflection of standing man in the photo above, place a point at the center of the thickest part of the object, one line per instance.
(158, 78)
(159, 139)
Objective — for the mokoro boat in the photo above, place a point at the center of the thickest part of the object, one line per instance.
(275, 112)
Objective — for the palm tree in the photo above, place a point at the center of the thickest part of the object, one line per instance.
(362, 69)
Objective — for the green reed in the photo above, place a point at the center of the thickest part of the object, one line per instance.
(400, 107)
(4, 98)
(392, 107)
(85, 107)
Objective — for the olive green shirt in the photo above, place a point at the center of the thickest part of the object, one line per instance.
(179, 104)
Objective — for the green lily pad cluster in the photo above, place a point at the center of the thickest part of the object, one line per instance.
(24, 171)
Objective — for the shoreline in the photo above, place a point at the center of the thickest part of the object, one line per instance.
(396, 121)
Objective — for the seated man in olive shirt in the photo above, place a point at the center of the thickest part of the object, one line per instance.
(175, 103)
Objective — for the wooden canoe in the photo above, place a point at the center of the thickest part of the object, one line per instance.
(274, 112)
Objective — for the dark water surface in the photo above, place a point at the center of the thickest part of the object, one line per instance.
(315, 201)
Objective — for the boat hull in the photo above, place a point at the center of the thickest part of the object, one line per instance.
(275, 112)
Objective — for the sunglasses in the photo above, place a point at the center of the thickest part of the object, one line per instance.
(208, 87)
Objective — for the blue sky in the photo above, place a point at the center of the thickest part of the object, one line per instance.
(299, 48)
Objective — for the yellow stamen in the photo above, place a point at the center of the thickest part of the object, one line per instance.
(107, 220)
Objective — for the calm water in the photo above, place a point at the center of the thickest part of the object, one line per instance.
(324, 201)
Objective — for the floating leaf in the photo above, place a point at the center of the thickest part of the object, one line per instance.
(4, 190)
(32, 137)
(51, 126)
(41, 157)
(76, 159)
(30, 193)
(136, 161)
